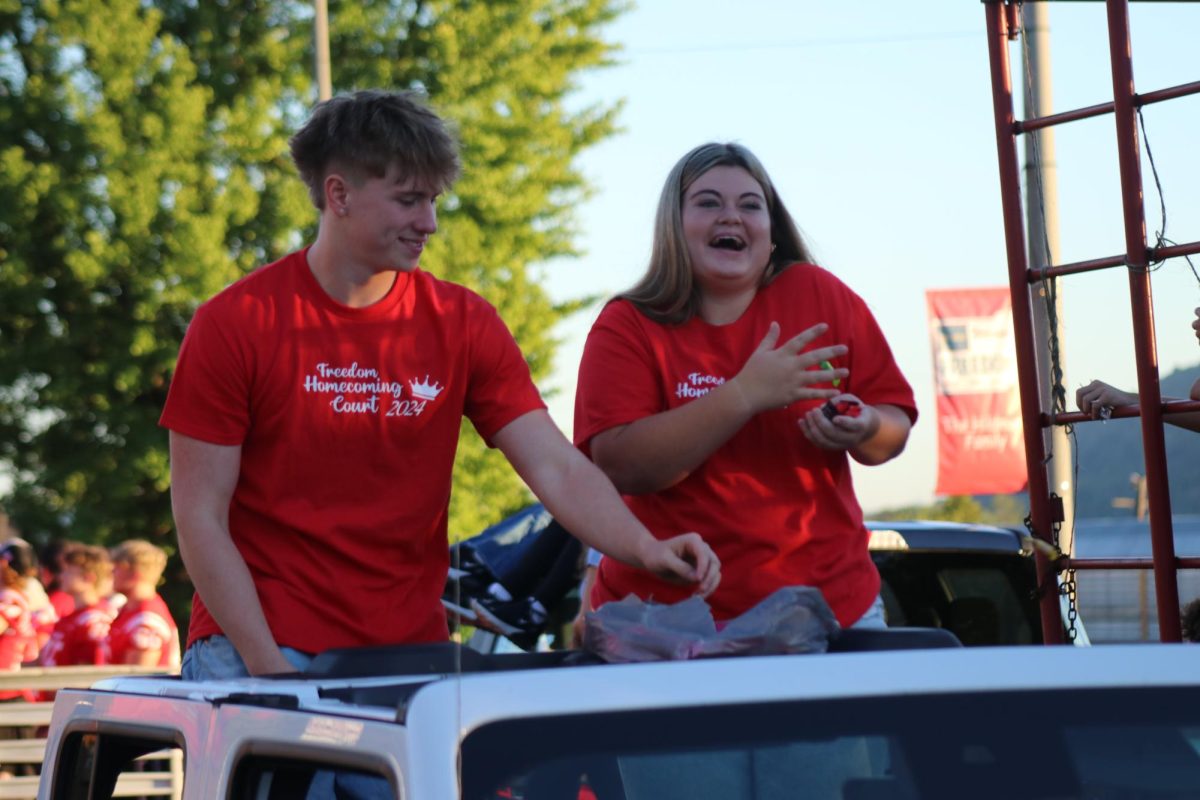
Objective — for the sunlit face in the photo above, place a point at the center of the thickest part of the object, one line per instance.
(74, 580)
(727, 229)
(124, 577)
(389, 220)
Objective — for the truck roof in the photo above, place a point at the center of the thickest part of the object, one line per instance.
(527, 689)
(954, 720)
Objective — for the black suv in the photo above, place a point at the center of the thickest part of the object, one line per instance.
(977, 581)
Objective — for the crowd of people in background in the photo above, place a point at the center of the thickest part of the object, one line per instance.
(81, 604)
(76, 604)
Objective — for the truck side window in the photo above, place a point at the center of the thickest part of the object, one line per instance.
(99, 766)
(278, 778)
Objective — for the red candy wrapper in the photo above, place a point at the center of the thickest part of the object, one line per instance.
(842, 408)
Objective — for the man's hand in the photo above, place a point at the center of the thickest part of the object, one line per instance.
(271, 663)
(584, 501)
(683, 559)
(1097, 396)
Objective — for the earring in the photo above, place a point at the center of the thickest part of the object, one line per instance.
(341, 212)
(773, 246)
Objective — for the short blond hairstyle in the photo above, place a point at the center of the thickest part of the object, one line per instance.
(91, 559)
(149, 560)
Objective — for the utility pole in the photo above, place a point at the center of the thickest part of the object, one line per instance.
(1041, 214)
(321, 49)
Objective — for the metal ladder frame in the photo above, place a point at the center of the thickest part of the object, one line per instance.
(1003, 25)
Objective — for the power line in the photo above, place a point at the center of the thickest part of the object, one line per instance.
(800, 44)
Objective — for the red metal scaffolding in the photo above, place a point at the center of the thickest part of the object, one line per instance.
(1045, 513)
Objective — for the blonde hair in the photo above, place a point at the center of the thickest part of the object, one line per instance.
(667, 291)
(91, 559)
(149, 560)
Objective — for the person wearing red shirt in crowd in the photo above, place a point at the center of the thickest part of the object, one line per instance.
(701, 394)
(78, 638)
(17, 638)
(22, 558)
(316, 407)
(143, 633)
(51, 570)
(16, 623)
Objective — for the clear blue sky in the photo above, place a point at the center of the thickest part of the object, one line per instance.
(874, 119)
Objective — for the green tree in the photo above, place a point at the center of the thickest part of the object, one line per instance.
(144, 164)
(1007, 509)
(999, 509)
(128, 190)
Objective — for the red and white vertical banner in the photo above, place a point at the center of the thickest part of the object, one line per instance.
(981, 449)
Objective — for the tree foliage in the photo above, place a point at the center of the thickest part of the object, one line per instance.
(998, 509)
(138, 191)
(144, 166)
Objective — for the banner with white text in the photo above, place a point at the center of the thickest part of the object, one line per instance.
(980, 445)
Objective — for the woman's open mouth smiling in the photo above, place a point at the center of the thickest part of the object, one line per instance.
(735, 243)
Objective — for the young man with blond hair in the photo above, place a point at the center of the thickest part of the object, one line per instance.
(144, 633)
(78, 638)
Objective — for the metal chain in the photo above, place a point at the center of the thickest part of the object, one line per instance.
(1067, 587)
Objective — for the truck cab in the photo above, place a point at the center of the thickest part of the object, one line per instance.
(898, 714)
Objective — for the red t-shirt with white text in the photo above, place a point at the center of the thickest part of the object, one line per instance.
(348, 420)
(776, 509)
(78, 638)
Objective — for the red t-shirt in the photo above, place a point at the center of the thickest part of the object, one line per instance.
(777, 510)
(78, 638)
(63, 603)
(143, 625)
(18, 631)
(44, 619)
(348, 420)
(18, 639)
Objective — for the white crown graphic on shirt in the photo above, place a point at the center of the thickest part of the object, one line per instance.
(424, 390)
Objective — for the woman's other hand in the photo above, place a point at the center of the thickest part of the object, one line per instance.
(840, 431)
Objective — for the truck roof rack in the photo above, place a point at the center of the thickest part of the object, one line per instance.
(440, 659)
(432, 659)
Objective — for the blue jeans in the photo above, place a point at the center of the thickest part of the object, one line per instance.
(215, 658)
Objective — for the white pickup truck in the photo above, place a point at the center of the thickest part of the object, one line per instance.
(857, 722)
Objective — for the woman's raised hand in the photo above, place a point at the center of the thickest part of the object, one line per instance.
(774, 377)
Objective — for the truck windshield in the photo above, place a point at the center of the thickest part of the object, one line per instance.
(983, 598)
(1110, 744)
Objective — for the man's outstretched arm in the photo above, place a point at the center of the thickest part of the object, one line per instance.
(584, 501)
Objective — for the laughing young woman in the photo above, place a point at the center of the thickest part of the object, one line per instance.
(726, 392)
